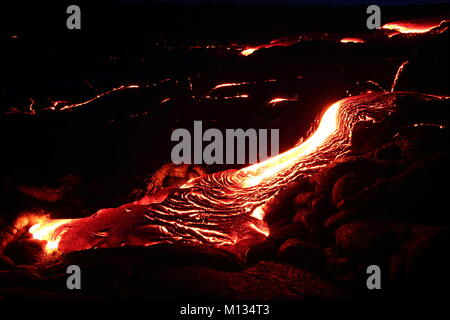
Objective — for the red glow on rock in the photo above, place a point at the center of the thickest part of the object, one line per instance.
(274, 43)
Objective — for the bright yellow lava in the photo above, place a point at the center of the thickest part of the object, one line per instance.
(253, 175)
(248, 52)
(45, 230)
(352, 40)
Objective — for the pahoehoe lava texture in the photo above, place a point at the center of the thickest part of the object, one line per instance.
(227, 209)
(371, 198)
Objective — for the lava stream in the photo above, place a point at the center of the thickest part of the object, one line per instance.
(274, 43)
(352, 40)
(397, 74)
(224, 209)
(413, 26)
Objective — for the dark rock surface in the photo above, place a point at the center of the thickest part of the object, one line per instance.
(384, 203)
(166, 273)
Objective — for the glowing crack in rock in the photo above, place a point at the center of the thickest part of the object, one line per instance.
(226, 209)
(62, 105)
(274, 101)
(352, 40)
(274, 43)
(230, 84)
(76, 105)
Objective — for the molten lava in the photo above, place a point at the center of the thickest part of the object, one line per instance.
(397, 74)
(45, 231)
(273, 43)
(352, 40)
(413, 26)
(248, 51)
(276, 100)
(225, 209)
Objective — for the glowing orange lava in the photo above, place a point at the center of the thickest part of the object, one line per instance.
(276, 100)
(44, 230)
(397, 74)
(225, 209)
(248, 51)
(412, 26)
(75, 105)
(352, 40)
(274, 43)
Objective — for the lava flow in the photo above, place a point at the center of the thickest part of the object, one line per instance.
(273, 43)
(225, 209)
(352, 40)
(413, 26)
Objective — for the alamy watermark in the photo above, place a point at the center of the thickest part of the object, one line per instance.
(74, 280)
(374, 280)
(73, 22)
(374, 20)
(235, 146)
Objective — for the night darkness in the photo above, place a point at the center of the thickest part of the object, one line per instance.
(95, 117)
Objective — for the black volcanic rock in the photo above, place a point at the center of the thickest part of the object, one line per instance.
(302, 254)
(421, 262)
(25, 251)
(368, 238)
(304, 199)
(171, 176)
(418, 140)
(262, 251)
(287, 231)
(325, 178)
(301, 215)
(139, 277)
(346, 185)
(6, 263)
